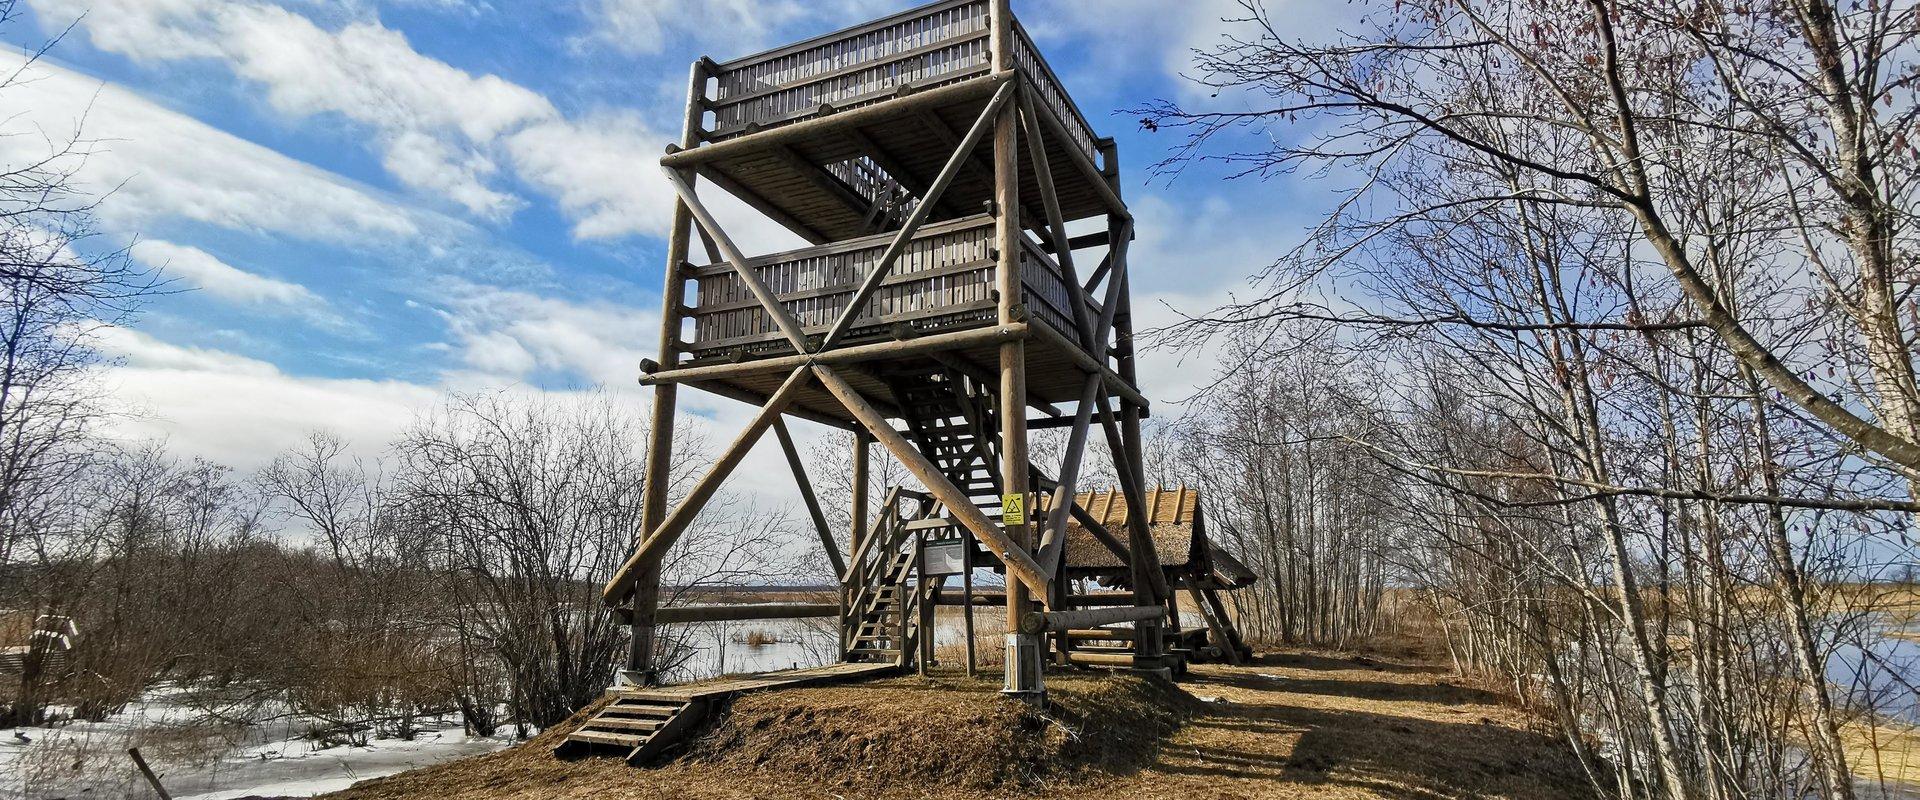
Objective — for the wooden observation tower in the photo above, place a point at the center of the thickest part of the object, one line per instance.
(966, 283)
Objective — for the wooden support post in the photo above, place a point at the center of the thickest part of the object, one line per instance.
(806, 496)
(853, 577)
(658, 477)
(918, 606)
(1148, 577)
(1023, 659)
(966, 598)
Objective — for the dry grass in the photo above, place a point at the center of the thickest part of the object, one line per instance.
(1883, 753)
(1294, 725)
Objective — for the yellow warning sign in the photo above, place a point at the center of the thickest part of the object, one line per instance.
(1013, 509)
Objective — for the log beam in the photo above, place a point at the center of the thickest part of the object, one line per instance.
(1019, 564)
(1037, 622)
(745, 611)
(806, 496)
(663, 537)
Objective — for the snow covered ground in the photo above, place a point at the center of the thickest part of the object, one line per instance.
(200, 758)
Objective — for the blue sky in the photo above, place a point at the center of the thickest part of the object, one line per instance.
(374, 203)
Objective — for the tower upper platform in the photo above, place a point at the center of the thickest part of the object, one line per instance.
(829, 136)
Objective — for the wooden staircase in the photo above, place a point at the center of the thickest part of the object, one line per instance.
(949, 416)
(641, 724)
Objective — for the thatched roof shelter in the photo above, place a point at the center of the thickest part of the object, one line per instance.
(1177, 522)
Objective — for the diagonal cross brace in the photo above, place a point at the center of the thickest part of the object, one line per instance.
(1020, 565)
(789, 326)
(663, 537)
(919, 215)
(806, 495)
(1053, 540)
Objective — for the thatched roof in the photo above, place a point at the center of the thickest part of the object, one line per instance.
(1173, 518)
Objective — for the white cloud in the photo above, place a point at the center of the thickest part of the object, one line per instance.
(162, 165)
(218, 278)
(505, 336)
(439, 129)
(140, 350)
(241, 412)
(601, 171)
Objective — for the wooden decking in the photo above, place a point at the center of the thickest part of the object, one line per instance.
(935, 44)
(785, 679)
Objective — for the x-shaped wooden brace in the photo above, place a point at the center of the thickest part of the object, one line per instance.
(1019, 562)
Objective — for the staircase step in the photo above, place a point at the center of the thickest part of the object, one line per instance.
(640, 712)
(655, 712)
(625, 724)
(601, 737)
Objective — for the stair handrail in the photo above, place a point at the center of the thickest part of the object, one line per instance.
(889, 514)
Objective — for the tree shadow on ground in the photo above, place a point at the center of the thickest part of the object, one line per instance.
(1334, 663)
(1442, 693)
(1392, 756)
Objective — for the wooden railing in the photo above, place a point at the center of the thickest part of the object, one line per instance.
(942, 43)
(943, 280)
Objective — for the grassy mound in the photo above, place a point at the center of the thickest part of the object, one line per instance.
(946, 736)
(958, 734)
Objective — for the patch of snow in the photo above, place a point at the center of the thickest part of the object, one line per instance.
(196, 758)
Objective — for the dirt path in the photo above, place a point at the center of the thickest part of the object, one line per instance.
(1294, 725)
(1311, 725)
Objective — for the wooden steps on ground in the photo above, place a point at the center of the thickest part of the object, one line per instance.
(645, 722)
(637, 723)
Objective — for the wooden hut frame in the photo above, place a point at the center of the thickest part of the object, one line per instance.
(828, 375)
